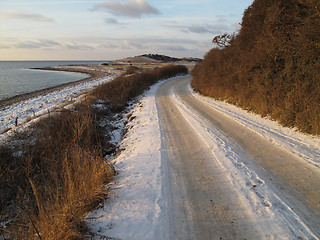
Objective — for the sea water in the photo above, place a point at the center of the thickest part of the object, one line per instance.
(17, 77)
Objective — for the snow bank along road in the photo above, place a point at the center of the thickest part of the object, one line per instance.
(196, 168)
(224, 180)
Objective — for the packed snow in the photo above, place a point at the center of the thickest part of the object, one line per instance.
(132, 211)
(304, 146)
(137, 195)
(267, 209)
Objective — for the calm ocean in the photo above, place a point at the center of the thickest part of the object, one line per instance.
(17, 78)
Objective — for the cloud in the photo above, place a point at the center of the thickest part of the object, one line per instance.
(75, 46)
(199, 29)
(236, 26)
(148, 44)
(130, 8)
(109, 45)
(111, 21)
(42, 43)
(210, 28)
(47, 44)
(213, 29)
(134, 44)
(25, 16)
(126, 42)
(4, 47)
(176, 48)
(154, 44)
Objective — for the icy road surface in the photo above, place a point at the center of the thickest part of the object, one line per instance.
(196, 168)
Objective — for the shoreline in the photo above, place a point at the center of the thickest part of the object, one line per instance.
(94, 74)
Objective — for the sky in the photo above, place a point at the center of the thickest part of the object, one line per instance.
(113, 29)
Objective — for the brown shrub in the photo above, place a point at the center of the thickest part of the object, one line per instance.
(272, 65)
(124, 88)
(58, 178)
(60, 173)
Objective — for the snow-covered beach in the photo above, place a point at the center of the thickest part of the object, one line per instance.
(18, 112)
(92, 73)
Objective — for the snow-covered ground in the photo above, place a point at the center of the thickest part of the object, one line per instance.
(18, 116)
(305, 146)
(132, 212)
(134, 207)
(275, 219)
(83, 68)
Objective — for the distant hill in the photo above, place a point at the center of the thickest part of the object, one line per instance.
(156, 58)
(161, 58)
(272, 66)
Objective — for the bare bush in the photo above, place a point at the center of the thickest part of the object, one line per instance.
(272, 66)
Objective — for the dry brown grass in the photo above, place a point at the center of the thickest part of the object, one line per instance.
(124, 88)
(58, 179)
(60, 173)
(272, 66)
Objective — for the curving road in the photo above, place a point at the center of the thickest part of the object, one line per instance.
(203, 202)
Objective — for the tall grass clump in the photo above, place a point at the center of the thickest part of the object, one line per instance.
(59, 172)
(271, 66)
(58, 178)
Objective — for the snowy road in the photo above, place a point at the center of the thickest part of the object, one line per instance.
(225, 181)
(196, 168)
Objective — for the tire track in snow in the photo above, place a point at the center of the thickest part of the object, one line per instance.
(263, 202)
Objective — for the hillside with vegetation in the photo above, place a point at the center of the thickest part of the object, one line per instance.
(271, 66)
(156, 58)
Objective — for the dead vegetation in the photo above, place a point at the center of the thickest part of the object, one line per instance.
(271, 66)
(126, 87)
(60, 175)
(58, 172)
